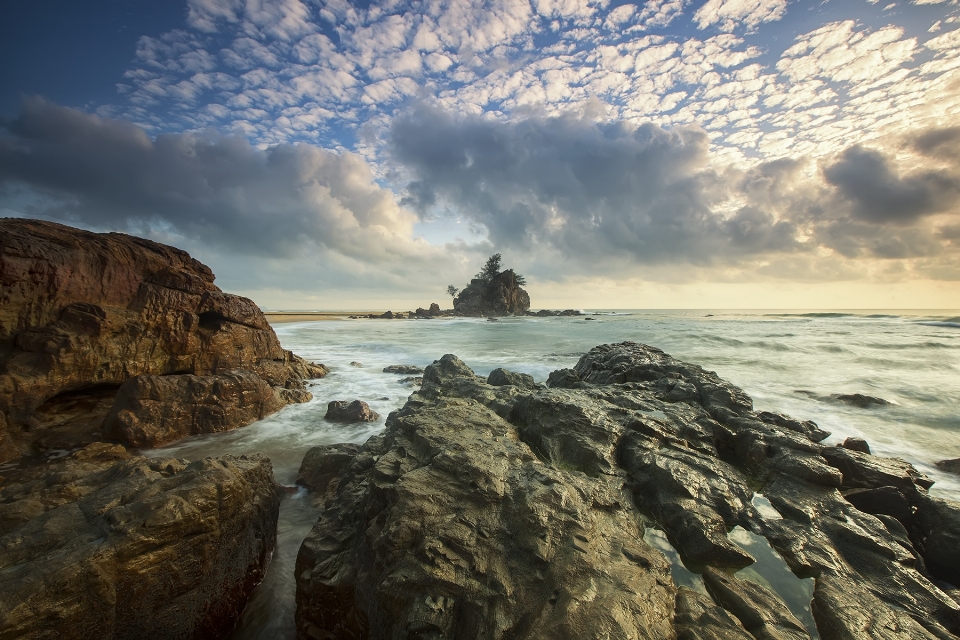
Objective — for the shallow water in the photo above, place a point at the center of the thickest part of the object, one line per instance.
(788, 362)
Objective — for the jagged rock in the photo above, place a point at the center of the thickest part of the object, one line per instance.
(356, 411)
(950, 466)
(500, 376)
(564, 379)
(403, 368)
(760, 612)
(699, 618)
(856, 444)
(479, 498)
(153, 410)
(859, 400)
(325, 465)
(104, 545)
(414, 380)
(434, 309)
(501, 296)
(82, 313)
(387, 315)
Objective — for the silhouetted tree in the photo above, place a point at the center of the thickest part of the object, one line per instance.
(490, 270)
(452, 291)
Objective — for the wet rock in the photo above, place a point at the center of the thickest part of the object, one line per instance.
(82, 313)
(434, 309)
(462, 537)
(864, 471)
(359, 365)
(153, 410)
(859, 400)
(325, 465)
(356, 411)
(403, 368)
(884, 500)
(760, 611)
(484, 509)
(499, 377)
(387, 315)
(105, 545)
(412, 380)
(937, 535)
(564, 379)
(856, 444)
(950, 466)
(699, 618)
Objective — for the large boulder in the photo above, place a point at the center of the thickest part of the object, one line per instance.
(488, 509)
(105, 545)
(82, 313)
(500, 296)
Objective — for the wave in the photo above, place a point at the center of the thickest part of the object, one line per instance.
(819, 314)
(954, 323)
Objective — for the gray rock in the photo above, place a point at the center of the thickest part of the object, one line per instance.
(859, 400)
(356, 411)
(489, 511)
(950, 466)
(760, 611)
(403, 368)
(499, 377)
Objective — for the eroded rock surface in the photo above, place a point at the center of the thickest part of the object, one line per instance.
(82, 313)
(510, 511)
(105, 545)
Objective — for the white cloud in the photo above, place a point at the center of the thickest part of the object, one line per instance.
(730, 14)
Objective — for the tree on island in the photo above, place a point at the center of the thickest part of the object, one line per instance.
(452, 291)
(492, 269)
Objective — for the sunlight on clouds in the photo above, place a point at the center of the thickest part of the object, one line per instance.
(730, 14)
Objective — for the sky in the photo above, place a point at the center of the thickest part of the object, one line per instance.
(651, 154)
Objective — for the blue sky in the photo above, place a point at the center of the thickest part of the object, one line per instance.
(735, 153)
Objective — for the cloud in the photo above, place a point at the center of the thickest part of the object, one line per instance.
(876, 192)
(217, 189)
(600, 192)
(730, 14)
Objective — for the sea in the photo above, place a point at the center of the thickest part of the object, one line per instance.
(792, 362)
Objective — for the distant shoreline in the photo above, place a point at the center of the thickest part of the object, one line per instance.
(274, 317)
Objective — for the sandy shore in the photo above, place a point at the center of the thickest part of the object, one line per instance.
(275, 317)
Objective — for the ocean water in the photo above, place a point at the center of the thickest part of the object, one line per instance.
(789, 362)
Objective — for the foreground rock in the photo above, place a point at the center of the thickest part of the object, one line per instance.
(82, 313)
(507, 510)
(105, 545)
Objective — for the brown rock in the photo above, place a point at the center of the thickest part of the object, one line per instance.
(356, 411)
(104, 545)
(82, 313)
(153, 410)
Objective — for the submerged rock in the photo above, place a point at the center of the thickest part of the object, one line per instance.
(105, 545)
(82, 313)
(403, 368)
(356, 411)
(860, 400)
(950, 466)
(492, 511)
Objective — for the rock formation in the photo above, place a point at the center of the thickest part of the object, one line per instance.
(499, 296)
(356, 411)
(498, 509)
(105, 545)
(83, 313)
